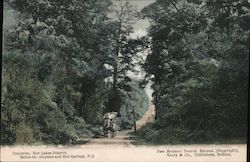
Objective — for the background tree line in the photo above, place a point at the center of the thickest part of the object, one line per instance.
(199, 62)
(65, 64)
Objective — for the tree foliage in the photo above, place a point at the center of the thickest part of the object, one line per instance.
(199, 63)
(55, 74)
(123, 52)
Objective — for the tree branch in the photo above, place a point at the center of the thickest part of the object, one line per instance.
(174, 5)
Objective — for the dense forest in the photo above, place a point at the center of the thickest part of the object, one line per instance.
(199, 60)
(66, 63)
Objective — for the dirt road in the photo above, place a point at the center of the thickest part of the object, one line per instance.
(124, 137)
(147, 117)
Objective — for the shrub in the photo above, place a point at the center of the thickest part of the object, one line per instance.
(24, 135)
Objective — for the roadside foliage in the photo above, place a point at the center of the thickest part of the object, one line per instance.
(199, 61)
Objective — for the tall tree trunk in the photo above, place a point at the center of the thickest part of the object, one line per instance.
(156, 107)
(134, 120)
(85, 113)
(115, 77)
(116, 65)
(82, 106)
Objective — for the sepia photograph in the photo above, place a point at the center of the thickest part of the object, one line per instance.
(125, 80)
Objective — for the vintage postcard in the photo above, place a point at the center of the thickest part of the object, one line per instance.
(125, 80)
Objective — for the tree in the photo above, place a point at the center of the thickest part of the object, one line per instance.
(122, 53)
(170, 52)
(73, 29)
(197, 58)
(59, 52)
